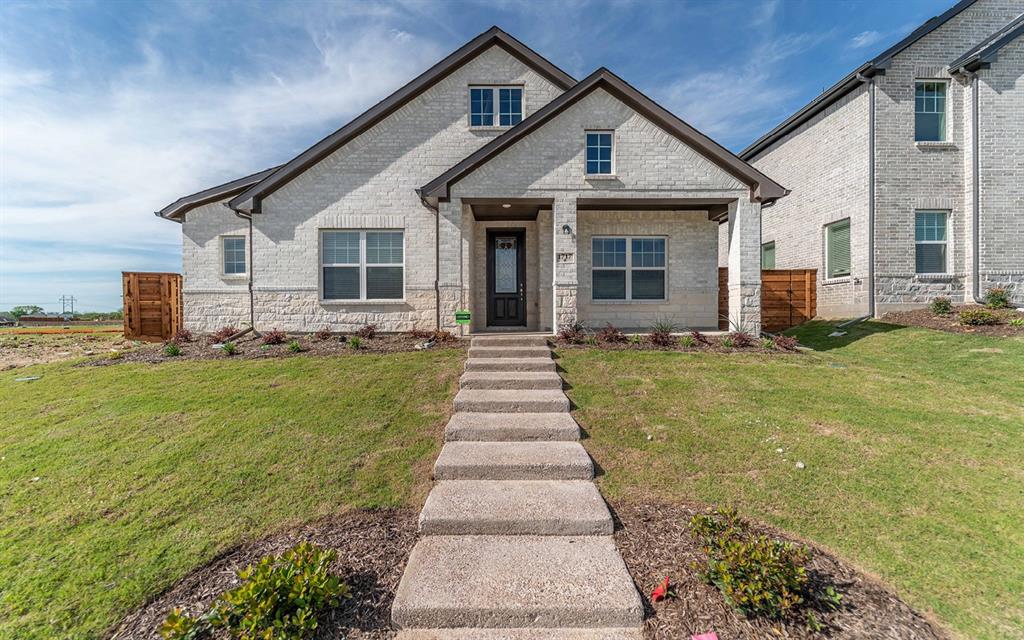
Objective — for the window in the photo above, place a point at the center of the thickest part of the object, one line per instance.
(768, 255)
(930, 111)
(599, 153)
(930, 241)
(233, 253)
(482, 102)
(837, 249)
(628, 268)
(363, 265)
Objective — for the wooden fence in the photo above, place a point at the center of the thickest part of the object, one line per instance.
(152, 305)
(788, 297)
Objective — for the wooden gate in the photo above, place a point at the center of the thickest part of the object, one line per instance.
(788, 297)
(152, 305)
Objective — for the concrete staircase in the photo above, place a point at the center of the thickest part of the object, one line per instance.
(516, 537)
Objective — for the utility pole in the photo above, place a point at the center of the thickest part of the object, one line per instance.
(65, 300)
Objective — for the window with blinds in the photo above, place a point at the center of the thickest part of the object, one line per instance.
(930, 241)
(837, 249)
(363, 265)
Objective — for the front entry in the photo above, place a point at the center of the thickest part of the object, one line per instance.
(506, 277)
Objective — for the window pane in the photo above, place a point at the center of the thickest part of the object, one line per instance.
(930, 112)
(234, 255)
(510, 102)
(838, 250)
(383, 247)
(648, 252)
(341, 247)
(609, 285)
(931, 258)
(768, 255)
(609, 252)
(481, 107)
(930, 226)
(599, 153)
(341, 283)
(648, 285)
(383, 283)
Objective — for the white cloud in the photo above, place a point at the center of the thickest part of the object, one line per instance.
(865, 39)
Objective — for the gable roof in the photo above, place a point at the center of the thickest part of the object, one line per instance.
(177, 209)
(878, 64)
(761, 186)
(984, 53)
(493, 36)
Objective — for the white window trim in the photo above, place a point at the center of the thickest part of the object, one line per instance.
(947, 242)
(495, 104)
(245, 257)
(824, 240)
(945, 142)
(362, 299)
(600, 176)
(629, 268)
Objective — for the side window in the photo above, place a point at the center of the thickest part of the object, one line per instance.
(599, 152)
(930, 111)
(232, 250)
(837, 249)
(768, 255)
(930, 242)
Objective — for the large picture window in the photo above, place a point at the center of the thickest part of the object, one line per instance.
(837, 249)
(363, 265)
(627, 268)
(930, 241)
(930, 111)
(495, 106)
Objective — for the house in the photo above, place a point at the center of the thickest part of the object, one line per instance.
(907, 173)
(7, 320)
(495, 184)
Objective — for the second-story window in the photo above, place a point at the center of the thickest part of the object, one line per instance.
(930, 111)
(495, 106)
(599, 153)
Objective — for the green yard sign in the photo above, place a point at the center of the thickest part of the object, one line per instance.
(461, 317)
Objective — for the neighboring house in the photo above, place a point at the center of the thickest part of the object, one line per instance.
(493, 183)
(924, 144)
(7, 320)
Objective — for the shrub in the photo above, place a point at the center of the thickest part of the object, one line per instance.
(687, 342)
(997, 298)
(355, 342)
(741, 339)
(115, 355)
(757, 574)
(728, 342)
(611, 334)
(295, 346)
(182, 336)
(172, 350)
(976, 317)
(323, 334)
(444, 336)
(636, 338)
(1017, 322)
(941, 306)
(229, 348)
(786, 343)
(367, 331)
(573, 333)
(661, 333)
(222, 334)
(700, 337)
(767, 343)
(274, 336)
(591, 340)
(279, 597)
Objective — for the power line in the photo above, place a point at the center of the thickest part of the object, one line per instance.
(65, 300)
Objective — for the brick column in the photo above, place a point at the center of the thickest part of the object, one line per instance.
(450, 271)
(745, 266)
(565, 260)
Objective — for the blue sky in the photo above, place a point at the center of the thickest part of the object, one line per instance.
(111, 110)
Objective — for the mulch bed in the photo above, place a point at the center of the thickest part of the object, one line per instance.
(713, 345)
(925, 318)
(372, 548)
(655, 542)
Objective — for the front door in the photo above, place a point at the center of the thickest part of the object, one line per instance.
(506, 277)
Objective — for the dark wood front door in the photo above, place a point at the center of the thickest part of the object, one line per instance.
(506, 277)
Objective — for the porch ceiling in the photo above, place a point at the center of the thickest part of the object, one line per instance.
(492, 209)
(716, 207)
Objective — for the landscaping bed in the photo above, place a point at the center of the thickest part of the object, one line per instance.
(951, 321)
(664, 337)
(372, 548)
(655, 541)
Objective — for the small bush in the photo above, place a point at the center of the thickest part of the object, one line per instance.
(941, 306)
(728, 342)
(444, 336)
(977, 317)
(1017, 322)
(367, 331)
(573, 333)
(687, 342)
(172, 350)
(636, 338)
(274, 336)
(355, 342)
(222, 334)
(229, 348)
(591, 340)
(611, 334)
(295, 346)
(741, 339)
(767, 344)
(700, 337)
(997, 298)
(183, 336)
(786, 343)
(323, 334)
(661, 333)
(115, 355)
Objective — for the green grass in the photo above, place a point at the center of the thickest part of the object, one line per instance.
(913, 441)
(116, 481)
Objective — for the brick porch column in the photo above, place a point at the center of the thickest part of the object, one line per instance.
(563, 214)
(450, 271)
(745, 266)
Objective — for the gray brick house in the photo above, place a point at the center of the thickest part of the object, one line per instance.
(493, 183)
(908, 172)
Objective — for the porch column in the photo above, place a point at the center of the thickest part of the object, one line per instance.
(563, 216)
(745, 266)
(449, 275)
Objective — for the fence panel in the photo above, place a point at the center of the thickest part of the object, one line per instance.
(788, 297)
(152, 305)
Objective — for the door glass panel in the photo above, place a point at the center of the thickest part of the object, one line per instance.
(506, 269)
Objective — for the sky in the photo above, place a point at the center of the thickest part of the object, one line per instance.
(111, 110)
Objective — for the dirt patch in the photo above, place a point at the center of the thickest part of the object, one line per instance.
(372, 549)
(24, 347)
(655, 542)
(925, 318)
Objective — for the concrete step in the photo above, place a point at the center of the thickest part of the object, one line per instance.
(513, 461)
(523, 633)
(512, 340)
(510, 364)
(504, 401)
(516, 581)
(509, 352)
(510, 380)
(515, 507)
(511, 427)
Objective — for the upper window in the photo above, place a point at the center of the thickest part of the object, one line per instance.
(490, 106)
(363, 265)
(599, 153)
(233, 253)
(837, 249)
(930, 111)
(930, 241)
(628, 268)
(768, 255)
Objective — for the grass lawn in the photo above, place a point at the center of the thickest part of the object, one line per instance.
(913, 442)
(116, 481)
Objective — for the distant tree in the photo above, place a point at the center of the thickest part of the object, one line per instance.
(25, 310)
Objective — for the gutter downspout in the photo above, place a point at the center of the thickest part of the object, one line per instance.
(975, 186)
(252, 267)
(871, 193)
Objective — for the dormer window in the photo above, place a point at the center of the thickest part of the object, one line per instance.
(495, 106)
